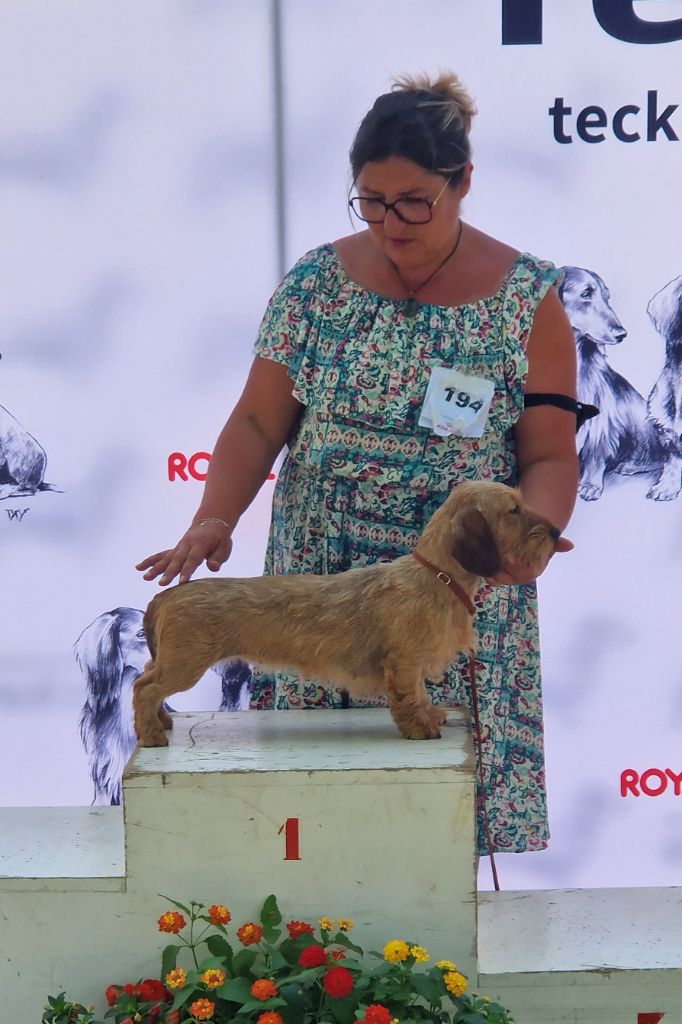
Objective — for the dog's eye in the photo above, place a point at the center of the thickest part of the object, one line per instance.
(515, 509)
(140, 635)
(587, 294)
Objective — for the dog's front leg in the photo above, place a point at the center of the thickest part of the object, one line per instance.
(415, 716)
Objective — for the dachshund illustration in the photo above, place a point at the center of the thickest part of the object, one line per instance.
(111, 653)
(665, 400)
(623, 437)
(22, 460)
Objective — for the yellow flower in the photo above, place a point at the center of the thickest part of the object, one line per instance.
(455, 983)
(396, 951)
(486, 999)
(176, 978)
(212, 978)
(446, 965)
(420, 954)
(345, 924)
(326, 924)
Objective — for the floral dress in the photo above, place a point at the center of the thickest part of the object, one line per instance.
(361, 478)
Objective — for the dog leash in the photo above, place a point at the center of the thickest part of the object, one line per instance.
(468, 604)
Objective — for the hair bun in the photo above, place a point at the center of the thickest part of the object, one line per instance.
(456, 100)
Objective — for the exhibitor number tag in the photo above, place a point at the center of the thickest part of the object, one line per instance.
(456, 403)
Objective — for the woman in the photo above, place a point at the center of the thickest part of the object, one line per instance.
(395, 363)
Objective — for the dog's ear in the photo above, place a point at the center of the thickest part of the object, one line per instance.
(473, 544)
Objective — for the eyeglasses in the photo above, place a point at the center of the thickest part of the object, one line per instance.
(410, 211)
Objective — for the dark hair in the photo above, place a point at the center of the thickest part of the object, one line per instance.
(423, 120)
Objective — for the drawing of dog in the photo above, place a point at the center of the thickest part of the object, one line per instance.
(623, 437)
(382, 628)
(665, 400)
(22, 460)
(111, 653)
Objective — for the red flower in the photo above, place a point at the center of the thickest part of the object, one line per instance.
(249, 934)
(336, 954)
(312, 956)
(130, 989)
(377, 1014)
(112, 994)
(296, 928)
(151, 990)
(172, 1017)
(338, 982)
(269, 1017)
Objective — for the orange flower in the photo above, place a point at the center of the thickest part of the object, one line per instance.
(176, 978)
(336, 954)
(263, 988)
(219, 914)
(269, 1017)
(112, 993)
(249, 933)
(202, 1009)
(213, 977)
(171, 921)
(296, 928)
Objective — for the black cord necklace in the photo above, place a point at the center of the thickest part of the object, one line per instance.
(412, 307)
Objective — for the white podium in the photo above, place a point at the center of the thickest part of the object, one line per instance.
(333, 812)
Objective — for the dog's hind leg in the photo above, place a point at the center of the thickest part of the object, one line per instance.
(149, 691)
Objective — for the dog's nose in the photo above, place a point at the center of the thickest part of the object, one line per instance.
(554, 533)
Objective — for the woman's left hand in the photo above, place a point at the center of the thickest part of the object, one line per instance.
(516, 572)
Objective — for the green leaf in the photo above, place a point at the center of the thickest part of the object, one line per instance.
(169, 959)
(180, 906)
(277, 961)
(270, 915)
(236, 990)
(341, 939)
(243, 961)
(427, 988)
(215, 962)
(263, 1004)
(219, 946)
(184, 995)
(343, 1010)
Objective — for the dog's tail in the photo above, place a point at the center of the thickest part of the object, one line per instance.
(49, 487)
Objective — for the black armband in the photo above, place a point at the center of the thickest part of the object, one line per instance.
(583, 412)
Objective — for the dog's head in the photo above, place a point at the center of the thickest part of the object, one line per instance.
(586, 300)
(489, 522)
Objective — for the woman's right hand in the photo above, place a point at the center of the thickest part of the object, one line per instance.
(210, 541)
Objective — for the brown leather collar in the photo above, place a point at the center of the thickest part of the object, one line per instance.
(448, 581)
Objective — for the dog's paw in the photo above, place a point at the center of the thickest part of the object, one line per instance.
(153, 740)
(662, 493)
(420, 727)
(590, 492)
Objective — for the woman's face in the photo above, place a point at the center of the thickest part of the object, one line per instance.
(412, 245)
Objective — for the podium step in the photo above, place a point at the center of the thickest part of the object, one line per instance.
(584, 956)
(61, 849)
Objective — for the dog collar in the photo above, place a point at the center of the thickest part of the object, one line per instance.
(448, 581)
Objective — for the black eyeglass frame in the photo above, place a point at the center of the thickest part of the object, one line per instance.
(394, 206)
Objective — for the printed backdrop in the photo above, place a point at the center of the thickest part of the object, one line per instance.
(139, 246)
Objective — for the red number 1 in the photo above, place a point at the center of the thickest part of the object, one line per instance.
(290, 829)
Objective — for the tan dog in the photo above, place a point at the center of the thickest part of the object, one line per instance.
(382, 628)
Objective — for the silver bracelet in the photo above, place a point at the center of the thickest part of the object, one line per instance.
(213, 519)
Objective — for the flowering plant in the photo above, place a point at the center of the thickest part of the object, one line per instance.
(296, 974)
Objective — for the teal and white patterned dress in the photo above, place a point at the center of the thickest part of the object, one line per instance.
(361, 478)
